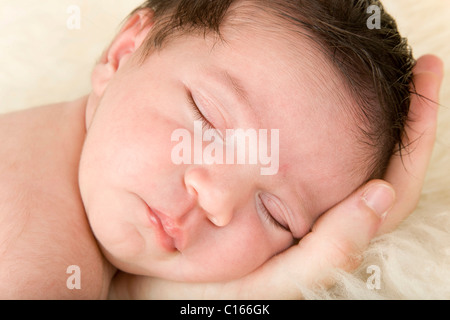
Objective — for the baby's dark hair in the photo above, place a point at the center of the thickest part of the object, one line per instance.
(375, 62)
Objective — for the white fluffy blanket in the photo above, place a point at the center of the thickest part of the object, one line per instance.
(47, 57)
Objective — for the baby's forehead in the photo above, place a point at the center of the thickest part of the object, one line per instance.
(290, 71)
(301, 54)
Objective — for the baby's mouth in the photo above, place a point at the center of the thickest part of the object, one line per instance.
(169, 236)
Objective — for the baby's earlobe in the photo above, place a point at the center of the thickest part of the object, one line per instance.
(101, 75)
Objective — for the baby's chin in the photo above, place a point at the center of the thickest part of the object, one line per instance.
(179, 267)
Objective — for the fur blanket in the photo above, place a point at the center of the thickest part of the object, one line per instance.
(47, 56)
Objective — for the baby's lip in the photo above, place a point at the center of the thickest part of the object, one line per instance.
(170, 235)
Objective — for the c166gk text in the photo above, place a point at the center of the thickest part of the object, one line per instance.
(229, 309)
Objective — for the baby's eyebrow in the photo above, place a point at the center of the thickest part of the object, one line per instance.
(236, 85)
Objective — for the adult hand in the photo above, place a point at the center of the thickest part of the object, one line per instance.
(340, 235)
(407, 174)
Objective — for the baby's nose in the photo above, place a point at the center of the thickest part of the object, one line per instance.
(217, 198)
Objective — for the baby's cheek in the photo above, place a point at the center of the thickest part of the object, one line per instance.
(120, 239)
(233, 255)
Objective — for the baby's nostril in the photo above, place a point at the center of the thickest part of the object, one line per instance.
(191, 190)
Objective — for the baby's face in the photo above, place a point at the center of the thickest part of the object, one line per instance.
(206, 222)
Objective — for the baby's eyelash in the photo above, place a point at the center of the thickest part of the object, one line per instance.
(198, 114)
(268, 216)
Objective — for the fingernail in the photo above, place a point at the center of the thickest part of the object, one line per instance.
(429, 63)
(380, 198)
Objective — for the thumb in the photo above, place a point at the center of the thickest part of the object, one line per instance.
(336, 241)
(347, 229)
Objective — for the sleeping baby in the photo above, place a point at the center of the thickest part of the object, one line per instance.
(215, 135)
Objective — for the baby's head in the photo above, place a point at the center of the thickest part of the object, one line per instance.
(335, 91)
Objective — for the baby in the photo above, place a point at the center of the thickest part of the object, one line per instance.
(338, 98)
(330, 91)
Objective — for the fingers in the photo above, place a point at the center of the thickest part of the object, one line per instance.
(428, 75)
(407, 173)
(335, 242)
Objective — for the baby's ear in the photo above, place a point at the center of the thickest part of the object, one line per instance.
(127, 41)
